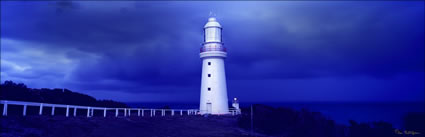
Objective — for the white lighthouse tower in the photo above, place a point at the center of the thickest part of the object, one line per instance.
(213, 82)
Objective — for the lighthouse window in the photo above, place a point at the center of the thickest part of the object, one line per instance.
(209, 75)
(209, 63)
(209, 89)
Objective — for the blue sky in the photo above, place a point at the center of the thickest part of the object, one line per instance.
(277, 51)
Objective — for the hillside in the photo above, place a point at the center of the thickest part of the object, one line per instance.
(20, 92)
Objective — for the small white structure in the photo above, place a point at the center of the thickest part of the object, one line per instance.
(213, 82)
(235, 110)
(235, 104)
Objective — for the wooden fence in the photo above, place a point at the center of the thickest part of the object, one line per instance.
(90, 109)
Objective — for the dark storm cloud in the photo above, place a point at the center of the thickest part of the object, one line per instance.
(128, 44)
(152, 47)
(380, 42)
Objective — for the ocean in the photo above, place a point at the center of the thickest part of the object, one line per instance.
(341, 112)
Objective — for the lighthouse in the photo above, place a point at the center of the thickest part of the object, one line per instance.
(213, 82)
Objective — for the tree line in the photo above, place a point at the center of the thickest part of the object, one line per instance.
(20, 92)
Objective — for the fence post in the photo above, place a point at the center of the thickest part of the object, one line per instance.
(129, 111)
(143, 112)
(5, 108)
(172, 112)
(92, 112)
(104, 112)
(41, 109)
(53, 110)
(88, 111)
(138, 112)
(181, 112)
(67, 110)
(75, 111)
(125, 112)
(151, 112)
(116, 112)
(252, 120)
(25, 110)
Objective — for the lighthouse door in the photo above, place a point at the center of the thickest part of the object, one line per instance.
(209, 108)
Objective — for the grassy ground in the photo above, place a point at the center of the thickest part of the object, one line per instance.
(60, 126)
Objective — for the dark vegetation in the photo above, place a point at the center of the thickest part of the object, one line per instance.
(167, 126)
(20, 92)
(291, 123)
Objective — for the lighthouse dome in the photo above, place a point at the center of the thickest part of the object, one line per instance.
(212, 22)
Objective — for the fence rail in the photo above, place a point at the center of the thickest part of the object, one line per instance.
(90, 109)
